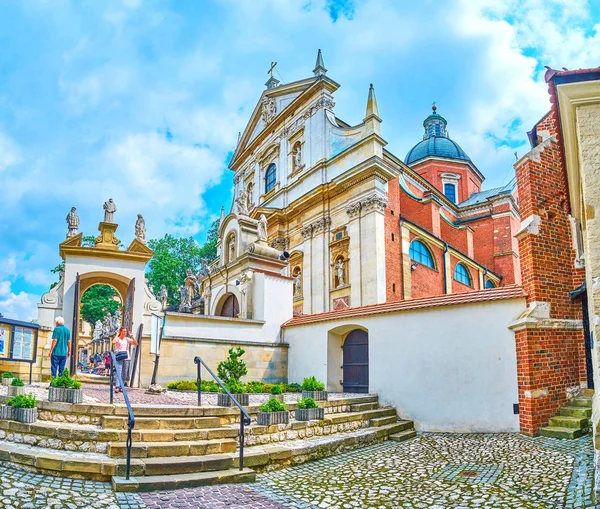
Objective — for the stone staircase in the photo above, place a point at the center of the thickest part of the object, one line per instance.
(572, 421)
(186, 446)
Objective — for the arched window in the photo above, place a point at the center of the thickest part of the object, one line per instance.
(420, 253)
(490, 284)
(450, 192)
(461, 274)
(270, 177)
(437, 130)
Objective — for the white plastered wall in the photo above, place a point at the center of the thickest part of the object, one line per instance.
(450, 368)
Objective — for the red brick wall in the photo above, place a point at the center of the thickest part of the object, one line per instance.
(549, 361)
(432, 171)
(427, 282)
(393, 244)
(457, 286)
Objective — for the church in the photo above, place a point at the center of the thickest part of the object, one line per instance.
(361, 225)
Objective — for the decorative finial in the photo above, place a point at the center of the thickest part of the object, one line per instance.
(433, 107)
(319, 69)
(222, 218)
(372, 108)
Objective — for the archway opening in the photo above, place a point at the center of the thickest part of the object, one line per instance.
(355, 362)
(230, 306)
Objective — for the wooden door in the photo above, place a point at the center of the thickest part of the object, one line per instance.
(74, 329)
(128, 306)
(231, 307)
(356, 362)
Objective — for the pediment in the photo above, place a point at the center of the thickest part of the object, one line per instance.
(139, 247)
(74, 241)
(269, 111)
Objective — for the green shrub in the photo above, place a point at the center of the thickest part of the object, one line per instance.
(209, 386)
(266, 388)
(65, 381)
(23, 401)
(312, 384)
(234, 386)
(254, 387)
(233, 367)
(293, 388)
(7, 374)
(276, 389)
(273, 405)
(17, 382)
(307, 403)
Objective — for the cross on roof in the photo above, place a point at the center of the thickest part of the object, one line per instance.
(270, 71)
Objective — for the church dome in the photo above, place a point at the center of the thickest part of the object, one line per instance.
(436, 142)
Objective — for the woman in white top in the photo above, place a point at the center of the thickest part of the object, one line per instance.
(121, 343)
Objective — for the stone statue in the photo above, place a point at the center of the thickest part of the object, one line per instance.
(340, 272)
(298, 157)
(98, 329)
(163, 296)
(116, 321)
(183, 299)
(109, 211)
(231, 248)
(191, 283)
(242, 202)
(298, 284)
(269, 109)
(140, 229)
(107, 325)
(72, 222)
(262, 228)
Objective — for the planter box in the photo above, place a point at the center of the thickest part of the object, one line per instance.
(316, 395)
(7, 381)
(6, 412)
(310, 414)
(26, 415)
(65, 395)
(15, 390)
(270, 418)
(225, 400)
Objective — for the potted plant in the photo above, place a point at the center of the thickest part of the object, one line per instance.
(276, 392)
(7, 412)
(312, 388)
(272, 412)
(238, 392)
(65, 389)
(308, 410)
(24, 408)
(16, 387)
(7, 377)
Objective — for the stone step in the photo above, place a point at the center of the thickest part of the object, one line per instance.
(171, 482)
(160, 435)
(169, 449)
(576, 411)
(403, 435)
(364, 406)
(563, 421)
(581, 402)
(560, 432)
(365, 415)
(171, 423)
(382, 421)
(588, 393)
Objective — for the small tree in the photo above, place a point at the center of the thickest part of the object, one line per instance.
(232, 368)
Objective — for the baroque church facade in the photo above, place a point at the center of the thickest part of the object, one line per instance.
(361, 225)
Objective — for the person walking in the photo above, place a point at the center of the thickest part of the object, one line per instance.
(60, 348)
(121, 343)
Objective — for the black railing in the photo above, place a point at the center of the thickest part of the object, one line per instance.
(130, 417)
(244, 417)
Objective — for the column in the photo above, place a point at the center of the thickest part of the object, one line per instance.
(307, 270)
(320, 271)
(372, 246)
(353, 226)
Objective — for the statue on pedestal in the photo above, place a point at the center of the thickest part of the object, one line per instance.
(72, 222)
(262, 228)
(242, 202)
(298, 284)
(191, 283)
(340, 272)
(109, 211)
(163, 296)
(140, 229)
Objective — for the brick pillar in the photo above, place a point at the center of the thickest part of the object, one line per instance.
(549, 334)
(393, 244)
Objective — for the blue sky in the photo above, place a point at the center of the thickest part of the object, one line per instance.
(142, 100)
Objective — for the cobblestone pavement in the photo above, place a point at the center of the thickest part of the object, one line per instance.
(434, 470)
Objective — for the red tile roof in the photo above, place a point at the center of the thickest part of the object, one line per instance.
(509, 292)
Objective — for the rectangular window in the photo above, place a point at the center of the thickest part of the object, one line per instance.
(450, 192)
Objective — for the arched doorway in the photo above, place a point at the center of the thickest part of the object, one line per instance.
(230, 307)
(356, 362)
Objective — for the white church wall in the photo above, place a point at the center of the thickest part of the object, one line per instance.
(450, 368)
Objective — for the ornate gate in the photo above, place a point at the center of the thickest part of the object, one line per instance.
(128, 307)
(74, 329)
(356, 362)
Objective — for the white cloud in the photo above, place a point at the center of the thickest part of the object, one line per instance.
(10, 154)
(21, 306)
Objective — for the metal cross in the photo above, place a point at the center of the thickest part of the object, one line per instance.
(270, 71)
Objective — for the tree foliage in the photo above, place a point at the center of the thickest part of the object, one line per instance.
(97, 302)
(172, 256)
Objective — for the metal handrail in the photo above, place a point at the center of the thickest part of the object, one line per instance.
(244, 417)
(130, 416)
